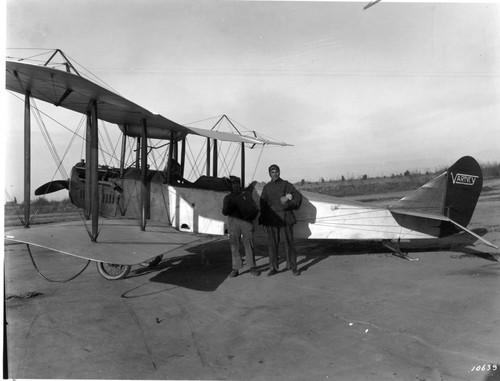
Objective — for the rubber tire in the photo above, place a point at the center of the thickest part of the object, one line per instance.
(152, 262)
(111, 271)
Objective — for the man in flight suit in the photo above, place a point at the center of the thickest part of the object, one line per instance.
(278, 200)
(241, 211)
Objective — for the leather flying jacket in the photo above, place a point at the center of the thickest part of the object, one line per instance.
(275, 212)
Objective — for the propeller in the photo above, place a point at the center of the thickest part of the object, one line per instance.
(52, 186)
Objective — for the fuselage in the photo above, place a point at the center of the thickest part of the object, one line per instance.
(197, 207)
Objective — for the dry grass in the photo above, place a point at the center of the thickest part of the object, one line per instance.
(380, 185)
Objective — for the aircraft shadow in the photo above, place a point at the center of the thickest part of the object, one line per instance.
(315, 251)
(204, 269)
(207, 266)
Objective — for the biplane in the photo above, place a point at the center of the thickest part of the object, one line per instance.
(137, 214)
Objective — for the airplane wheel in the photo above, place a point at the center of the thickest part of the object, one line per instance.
(111, 271)
(152, 262)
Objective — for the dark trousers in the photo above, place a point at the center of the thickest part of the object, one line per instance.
(240, 230)
(273, 234)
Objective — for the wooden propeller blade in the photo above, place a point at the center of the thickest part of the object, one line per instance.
(52, 186)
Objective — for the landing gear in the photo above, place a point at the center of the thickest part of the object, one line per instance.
(152, 262)
(111, 271)
(396, 250)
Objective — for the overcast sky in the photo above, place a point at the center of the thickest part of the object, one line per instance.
(399, 86)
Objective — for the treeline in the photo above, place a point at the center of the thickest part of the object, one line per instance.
(365, 185)
(42, 205)
(491, 170)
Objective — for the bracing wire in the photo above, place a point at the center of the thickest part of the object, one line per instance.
(91, 75)
(82, 149)
(229, 157)
(112, 147)
(114, 150)
(130, 158)
(192, 162)
(31, 58)
(152, 152)
(62, 125)
(102, 141)
(107, 143)
(52, 280)
(258, 161)
(73, 137)
(50, 143)
(232, 159)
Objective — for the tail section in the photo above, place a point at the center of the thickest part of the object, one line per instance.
(444, 204)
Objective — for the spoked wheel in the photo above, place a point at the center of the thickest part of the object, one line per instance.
(111, 271)
(152, 262)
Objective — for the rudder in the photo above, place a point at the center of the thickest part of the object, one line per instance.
(464, 185)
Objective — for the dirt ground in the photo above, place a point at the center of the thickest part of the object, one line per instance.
(355, 313)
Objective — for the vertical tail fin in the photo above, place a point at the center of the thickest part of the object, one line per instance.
(464, 185)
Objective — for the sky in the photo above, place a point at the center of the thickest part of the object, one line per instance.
(398, 86)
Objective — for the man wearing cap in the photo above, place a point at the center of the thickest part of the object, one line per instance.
(278, 200)
(241, 211)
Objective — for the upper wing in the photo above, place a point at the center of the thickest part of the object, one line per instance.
(230, 137)
(120, 241)
(74, 92)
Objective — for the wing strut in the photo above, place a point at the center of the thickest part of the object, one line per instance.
(27, 159)
(138, 152)
(88, 139)
(243, 164)
(170, 156)
(144, 173)
(208, 156)
(94, 174)
(67, 62)
(183, 156)
(122, 154)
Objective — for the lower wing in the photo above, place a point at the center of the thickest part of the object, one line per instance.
(120, 241)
